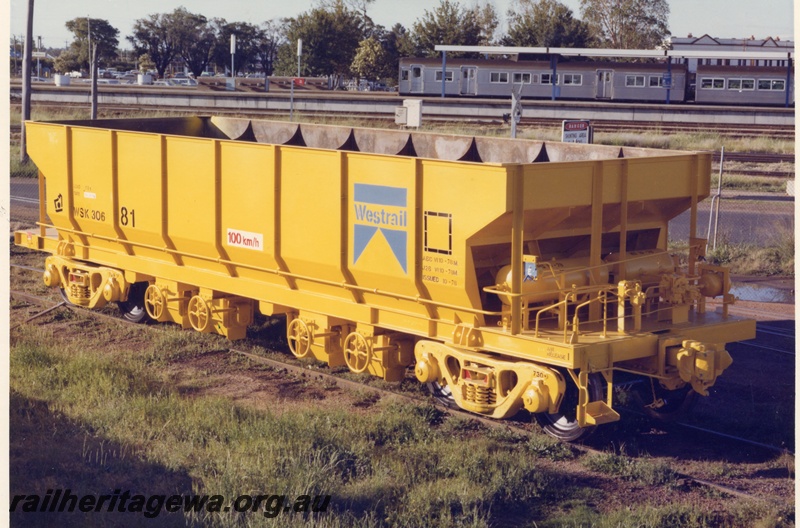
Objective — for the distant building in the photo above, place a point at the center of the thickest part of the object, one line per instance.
(707, 43)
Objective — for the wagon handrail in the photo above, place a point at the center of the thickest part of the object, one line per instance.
(548, 308)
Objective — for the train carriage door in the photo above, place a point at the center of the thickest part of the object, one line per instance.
(469, 80)
(417, 86)
(605, 84)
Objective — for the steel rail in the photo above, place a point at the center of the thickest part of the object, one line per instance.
(767, 348)
(776, 331)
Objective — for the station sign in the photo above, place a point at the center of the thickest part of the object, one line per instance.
(666, 80)
(576, 131)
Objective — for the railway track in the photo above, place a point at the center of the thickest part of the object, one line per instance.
(303, 372)
(756, 157)
(605, 126)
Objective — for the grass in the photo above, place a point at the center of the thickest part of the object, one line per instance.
(396, 467)
(749, 259)
(738, 182)
(695, 141)
(19, 169)
(89, 414)
(672, 515)
(746, 259)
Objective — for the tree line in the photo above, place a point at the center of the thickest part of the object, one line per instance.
(341, 40)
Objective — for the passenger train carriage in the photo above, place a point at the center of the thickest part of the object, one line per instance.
(741, 84)
(595, 80)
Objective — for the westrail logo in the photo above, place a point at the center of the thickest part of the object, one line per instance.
(381, 209)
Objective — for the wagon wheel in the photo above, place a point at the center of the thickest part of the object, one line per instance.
(442, 393)
(199, 313)
(357, 352)
(65, 296)
(676, 402)
(299, 337)
(133, 309)
(154, 302)
(564, 424)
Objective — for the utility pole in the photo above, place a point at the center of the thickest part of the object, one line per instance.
(16, 57)
(38, 63)
(291, 92)
(233, 53)
(26, 84)
(93, 66)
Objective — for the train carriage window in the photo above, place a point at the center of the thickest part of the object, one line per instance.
(772, 84)
(522, 78)
(448, 75)
(404, 75)
(498, 77)
(709, 83)
(656, 81)
(634, 81)
(741, 84)
(547, 78)
(574, 79)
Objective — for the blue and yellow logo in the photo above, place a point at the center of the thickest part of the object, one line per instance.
(381, 209)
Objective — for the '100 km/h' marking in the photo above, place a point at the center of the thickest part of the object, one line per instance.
(245, 239)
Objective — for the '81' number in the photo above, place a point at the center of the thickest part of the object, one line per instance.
(126, 217)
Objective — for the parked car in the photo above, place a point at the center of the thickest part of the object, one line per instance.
(183, 82)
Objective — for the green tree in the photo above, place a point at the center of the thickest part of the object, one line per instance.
(154, 36)
(402, 41)
(627, 24)
(359, 7)
(145, 63)
(248, 37)
(272, 38)
(194, 39)
(370, 60)
(487, 20)
(76, 56)
(545, 23)
(448, 23)
(330, 40)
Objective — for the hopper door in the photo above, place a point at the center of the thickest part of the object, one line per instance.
(605, 84)
(469, 80)
(417, 85)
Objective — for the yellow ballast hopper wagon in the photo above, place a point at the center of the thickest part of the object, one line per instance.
(510, 273)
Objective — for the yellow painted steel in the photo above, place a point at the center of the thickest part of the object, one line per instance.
(374, 241)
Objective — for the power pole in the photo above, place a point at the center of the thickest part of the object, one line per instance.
(16, 56)
(93, 67)
(26, 84)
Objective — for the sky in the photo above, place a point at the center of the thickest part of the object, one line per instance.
(718, 18)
